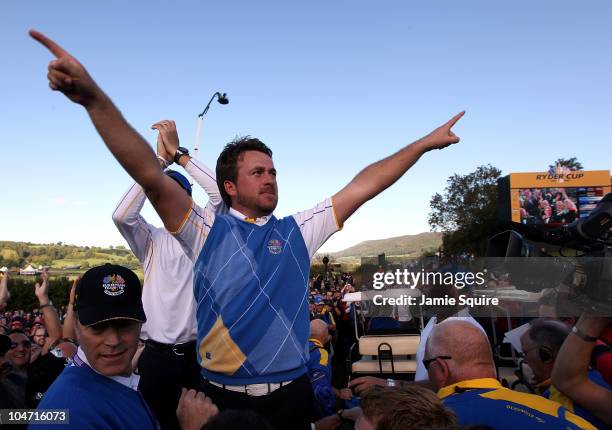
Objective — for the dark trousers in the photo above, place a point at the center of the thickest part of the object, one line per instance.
(162, 375)
(289, 407)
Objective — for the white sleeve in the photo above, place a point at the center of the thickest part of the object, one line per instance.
(205, 178)
(194, 229)
(317, 225)
(132, 226)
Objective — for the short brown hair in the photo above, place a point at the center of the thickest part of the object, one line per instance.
(406, 408)
(227, 163)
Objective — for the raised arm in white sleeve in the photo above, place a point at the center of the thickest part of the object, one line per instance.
(132, 226)
(206, 179)
(317, 225)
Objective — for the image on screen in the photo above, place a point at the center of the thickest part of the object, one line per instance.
(552, 206)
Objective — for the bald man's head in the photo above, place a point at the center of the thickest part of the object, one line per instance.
(469, 349)
(319, 330)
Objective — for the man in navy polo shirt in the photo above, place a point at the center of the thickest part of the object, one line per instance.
(100, 390)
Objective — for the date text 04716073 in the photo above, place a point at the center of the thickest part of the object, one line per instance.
(34, 416)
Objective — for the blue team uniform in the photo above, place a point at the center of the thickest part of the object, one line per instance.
(485, 401)
(319, 372)
(95, 401)
(251, 290)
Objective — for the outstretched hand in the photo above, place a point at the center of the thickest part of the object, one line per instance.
(443, 136)
(42, 290)
(4, 292)
(67, 75)
(73, 290)
(169, 137)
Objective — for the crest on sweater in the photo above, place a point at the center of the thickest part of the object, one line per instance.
(275, 246)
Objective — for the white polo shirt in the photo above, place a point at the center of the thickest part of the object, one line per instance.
(167, 294)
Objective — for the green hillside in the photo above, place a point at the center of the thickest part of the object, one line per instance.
(64, 257)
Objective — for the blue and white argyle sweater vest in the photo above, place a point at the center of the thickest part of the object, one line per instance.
(251, 289)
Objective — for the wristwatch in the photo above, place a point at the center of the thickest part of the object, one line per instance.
(180, 151)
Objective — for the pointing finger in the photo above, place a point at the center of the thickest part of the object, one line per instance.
(55, 49)
(454, 119)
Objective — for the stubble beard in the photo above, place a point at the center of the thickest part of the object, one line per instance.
(256, 205)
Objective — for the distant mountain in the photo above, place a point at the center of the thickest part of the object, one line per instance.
(409, 246)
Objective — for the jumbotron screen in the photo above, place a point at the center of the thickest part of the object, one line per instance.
(539, 198)
(557, 206)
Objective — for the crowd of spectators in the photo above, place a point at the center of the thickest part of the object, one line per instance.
(34, 348)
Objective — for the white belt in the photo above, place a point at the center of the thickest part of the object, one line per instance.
(252, 389)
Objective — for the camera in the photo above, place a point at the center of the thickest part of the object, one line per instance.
(577, 256)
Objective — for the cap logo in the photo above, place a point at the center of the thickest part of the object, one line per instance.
(113, 285)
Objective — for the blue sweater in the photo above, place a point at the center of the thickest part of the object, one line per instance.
(251, 290)
(96, 402)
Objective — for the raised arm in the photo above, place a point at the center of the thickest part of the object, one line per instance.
(69, 327)
(69, 77)
(570, 374)
(200, 173)
(132, 226)
(52, 322)
(378, 176)
(4, 292)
